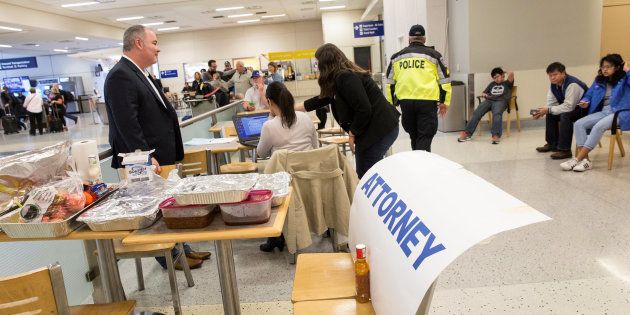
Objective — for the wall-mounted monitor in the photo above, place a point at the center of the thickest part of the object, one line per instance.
(17, 84)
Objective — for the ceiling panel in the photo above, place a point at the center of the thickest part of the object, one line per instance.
(187, 15)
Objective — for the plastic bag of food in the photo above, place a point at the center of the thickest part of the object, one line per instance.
(54, 202)
(22, 171)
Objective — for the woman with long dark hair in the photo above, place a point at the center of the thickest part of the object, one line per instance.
(287, 129)
(609, 93)
(358, 105)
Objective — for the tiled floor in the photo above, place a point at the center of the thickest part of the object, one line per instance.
(577, 263)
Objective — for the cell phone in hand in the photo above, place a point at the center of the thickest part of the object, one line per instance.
(533, 112)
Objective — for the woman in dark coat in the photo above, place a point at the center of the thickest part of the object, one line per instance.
(358, 105)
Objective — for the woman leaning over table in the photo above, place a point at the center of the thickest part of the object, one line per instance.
(610, 93)
(358, 105)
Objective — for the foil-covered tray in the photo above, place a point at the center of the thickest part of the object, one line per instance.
(214, 189)
(9, 225)
(123, 213)
(278, 183)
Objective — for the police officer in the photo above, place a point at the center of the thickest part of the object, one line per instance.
(420, 84)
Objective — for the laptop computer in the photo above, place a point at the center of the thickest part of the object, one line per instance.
(248, 127)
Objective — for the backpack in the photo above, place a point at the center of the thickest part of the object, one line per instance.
(67, 96)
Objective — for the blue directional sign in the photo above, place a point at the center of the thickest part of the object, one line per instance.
(368, 29)
(18, 63)
(168, 74)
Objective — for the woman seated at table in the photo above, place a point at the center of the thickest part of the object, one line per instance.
(287, 129)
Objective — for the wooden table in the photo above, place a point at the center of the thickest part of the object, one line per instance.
(338, 140)
(333, 307)
(323, 276)
(212, 152)
(222, 235)
(107, 263)
(221, 124)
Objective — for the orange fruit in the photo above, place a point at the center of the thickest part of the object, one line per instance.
(88, 198)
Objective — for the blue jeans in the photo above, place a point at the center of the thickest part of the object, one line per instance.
(497, 108)
(597, 123)
(162, 260)
(367, 157)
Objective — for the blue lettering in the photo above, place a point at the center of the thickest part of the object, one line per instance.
(393, 196)
(411, 237)
(379, 182)
(428, 251)
(366, 186)
(386, 189)
(403, 225)
(399, 204)
(391, 217)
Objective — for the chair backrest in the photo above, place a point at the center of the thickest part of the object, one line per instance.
(194, 162)
(229, 131)
(513, 97)
(40, 291)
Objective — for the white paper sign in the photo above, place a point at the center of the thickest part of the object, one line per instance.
(417, 212)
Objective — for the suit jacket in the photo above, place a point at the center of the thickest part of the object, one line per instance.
(137, 117)
(359, 106)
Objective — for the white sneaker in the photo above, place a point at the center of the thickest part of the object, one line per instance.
(569, 165)
(583, 166)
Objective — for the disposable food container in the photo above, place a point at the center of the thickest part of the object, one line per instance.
(256, 209)
(178, 216)
(278, 183)
(214, 189)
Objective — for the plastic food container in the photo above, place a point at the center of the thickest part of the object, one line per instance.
(278, 183)
(256, 209)
(214, 189)
(178, 216)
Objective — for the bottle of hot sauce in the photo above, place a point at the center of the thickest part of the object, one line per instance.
(362, 275)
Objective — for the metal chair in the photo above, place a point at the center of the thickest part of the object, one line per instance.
(615, 137)
(512, 105)
(42, 291)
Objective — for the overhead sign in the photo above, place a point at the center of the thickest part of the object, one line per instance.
(304, 54)
(414, 226)
(18, 63)
(368, 29)
(164, 74)
(281, 55)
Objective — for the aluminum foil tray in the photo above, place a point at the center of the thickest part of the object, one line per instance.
(278, 183)
(214, 189)
(124, 224)
(40, 230)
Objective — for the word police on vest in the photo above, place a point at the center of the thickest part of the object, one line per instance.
(414, 63)
(401, 222)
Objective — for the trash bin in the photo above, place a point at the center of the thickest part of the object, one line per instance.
(455, 119)
(84, 103)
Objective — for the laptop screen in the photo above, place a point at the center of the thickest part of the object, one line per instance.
(249, 126)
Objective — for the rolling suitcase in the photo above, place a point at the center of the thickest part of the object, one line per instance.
(10, 124)
(55, 125)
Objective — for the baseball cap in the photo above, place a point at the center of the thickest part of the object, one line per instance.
(227, 63)
(255, 74)
(416, 30)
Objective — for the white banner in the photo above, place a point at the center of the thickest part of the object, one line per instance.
(417, 212)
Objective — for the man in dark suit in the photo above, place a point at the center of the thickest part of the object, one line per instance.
(140, 116)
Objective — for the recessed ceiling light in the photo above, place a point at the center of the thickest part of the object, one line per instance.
(326, 0)
(152, 23)
(5, 46)
(130, 18)
(240, 15)
(272, 16)
(81, 38)
(335, 7)
(248, 21)
(228, 9)
(78, 4)
(120, 44)
(60, 50)
(36, 45)
(168, 28)
(10, 28)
